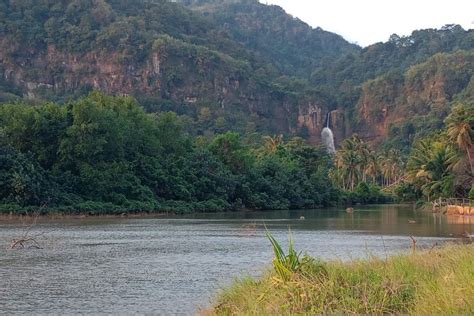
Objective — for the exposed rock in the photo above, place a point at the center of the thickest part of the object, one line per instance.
(425, 89)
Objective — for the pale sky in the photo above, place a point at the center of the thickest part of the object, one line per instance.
(369, 21)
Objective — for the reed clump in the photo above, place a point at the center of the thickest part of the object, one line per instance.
(438, 281)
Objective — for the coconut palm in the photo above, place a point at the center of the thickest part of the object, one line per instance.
(372, 166)
(396, 164)
(349, 161)
(271, 143)
(385, 168)
(364, 152)
(429, 167)
(459, 124)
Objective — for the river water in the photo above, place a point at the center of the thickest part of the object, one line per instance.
(176, 265)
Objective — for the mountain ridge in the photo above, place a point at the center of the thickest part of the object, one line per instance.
(234, 65)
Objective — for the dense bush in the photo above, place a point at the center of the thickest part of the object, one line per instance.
(366, 193)
(104, 154)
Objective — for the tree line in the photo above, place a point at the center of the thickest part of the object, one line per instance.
(106, 154)
(439, 163)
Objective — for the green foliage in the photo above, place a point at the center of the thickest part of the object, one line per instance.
(285, 265)
(220, 65)
(417, 102)
(250, 64)
(430, 166)
(427, 282)
(471, 192)
(407, 191)
(394, 56)
(440, 164)
(22, 180)
(361, 171)
(368, 193)
(291, 46)
(106, 154)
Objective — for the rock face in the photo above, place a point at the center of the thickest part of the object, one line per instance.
(247, 64)
(244, 65)
(165, 75)
(424, 91)
(188, 77)
(313, 118)
(460, 210)
(61, 72)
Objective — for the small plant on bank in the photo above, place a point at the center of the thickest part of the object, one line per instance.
(285, 265)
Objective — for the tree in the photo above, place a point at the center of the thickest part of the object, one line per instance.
(460, 129)
(429, 167)
(229, 149)
(271, 143)
(348, 160)
(371, 168)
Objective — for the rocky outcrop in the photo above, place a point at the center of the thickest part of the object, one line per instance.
(424, 90)
(313, 118)
(186, 76)
(460, 210)
(53, 71)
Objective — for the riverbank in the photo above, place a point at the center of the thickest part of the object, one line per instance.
(60, 216)
(436, 281)
(92, 208)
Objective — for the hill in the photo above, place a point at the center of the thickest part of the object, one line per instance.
(221, 64)
(169, 57)
(416, 101)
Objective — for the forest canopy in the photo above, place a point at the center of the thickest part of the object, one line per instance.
(106, 154)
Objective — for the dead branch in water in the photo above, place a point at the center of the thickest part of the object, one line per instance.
(27, 239)
(20, 243)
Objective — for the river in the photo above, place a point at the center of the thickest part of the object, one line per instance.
(176, 264)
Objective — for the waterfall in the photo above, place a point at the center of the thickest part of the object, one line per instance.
(328, 138)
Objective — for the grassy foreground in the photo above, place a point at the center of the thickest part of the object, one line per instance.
(440, 281)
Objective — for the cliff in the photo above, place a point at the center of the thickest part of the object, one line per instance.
(420, 97)
(229, 65)
(167, 56)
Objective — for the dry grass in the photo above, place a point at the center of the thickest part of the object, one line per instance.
(440, 281)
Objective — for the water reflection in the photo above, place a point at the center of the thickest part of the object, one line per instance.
(173, 265)
(381, 219)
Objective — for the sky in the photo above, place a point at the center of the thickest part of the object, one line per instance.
(369, 21)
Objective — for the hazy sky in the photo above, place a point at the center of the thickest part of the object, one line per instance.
(370, 21)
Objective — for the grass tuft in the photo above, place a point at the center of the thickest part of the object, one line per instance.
(285, 265)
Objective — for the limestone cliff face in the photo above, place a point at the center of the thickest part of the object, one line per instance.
(61, 72)
(313, 118)
(375, 106)
(184, 76)
(425, 89)
(58, 72)
(190, 77)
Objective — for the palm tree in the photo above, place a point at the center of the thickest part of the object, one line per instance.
(396, 165)
(459, 124)
(372, 166)
(352, 171)
(271, 143)
(362, 149)
(429, 167)
(348, 160)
